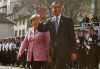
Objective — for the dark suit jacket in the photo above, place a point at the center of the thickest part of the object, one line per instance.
(63, 42)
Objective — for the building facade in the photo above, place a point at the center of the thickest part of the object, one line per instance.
(20, 28)
(6, 30)
(6, 26)
(10, 9)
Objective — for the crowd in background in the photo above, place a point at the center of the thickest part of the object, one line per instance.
(8, 51)
(88, 48)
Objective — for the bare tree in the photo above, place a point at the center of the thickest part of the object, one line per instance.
(72, 8)
(75, 8)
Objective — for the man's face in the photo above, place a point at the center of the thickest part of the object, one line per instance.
(90, 30)
(56, 9)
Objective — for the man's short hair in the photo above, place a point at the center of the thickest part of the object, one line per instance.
(54, 3)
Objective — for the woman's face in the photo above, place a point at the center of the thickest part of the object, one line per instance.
(35, 22)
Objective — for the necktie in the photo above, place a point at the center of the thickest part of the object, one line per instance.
(57, 24)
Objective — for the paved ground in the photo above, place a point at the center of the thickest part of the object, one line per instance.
(9, 67)
(12, 67)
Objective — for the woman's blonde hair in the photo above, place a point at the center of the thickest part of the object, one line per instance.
(33, 16)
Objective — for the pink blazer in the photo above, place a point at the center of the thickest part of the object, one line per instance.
(37, 44)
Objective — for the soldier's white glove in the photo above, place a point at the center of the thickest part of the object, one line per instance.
(89, 47)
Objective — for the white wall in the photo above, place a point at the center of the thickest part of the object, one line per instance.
(6, 31)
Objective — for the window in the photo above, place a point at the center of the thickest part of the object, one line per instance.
(20, 22)
(19, 32)
(10, 17)
(23, 32)
(6, 9)
(4, 0)
(15, 33)
(23, 21)
(13, 16)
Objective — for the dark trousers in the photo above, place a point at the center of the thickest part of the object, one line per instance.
(60, 64)
(39, 65)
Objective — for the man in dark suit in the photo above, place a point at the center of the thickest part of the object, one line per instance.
(62, 36)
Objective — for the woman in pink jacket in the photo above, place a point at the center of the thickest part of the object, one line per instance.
(37, 44)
